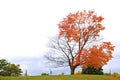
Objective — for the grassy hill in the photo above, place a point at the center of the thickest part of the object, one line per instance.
(63, 77)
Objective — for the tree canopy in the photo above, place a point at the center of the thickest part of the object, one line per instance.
(8, 69)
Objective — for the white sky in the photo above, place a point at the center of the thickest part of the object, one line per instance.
(25, 26)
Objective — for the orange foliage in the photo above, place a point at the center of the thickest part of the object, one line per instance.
(96, 56)
(78, 73)
(82, 27)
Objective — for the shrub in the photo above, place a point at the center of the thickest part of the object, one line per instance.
(78, 73)
(44, 74)
(115, 74)
(91, 70)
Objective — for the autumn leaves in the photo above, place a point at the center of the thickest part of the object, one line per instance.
(82, 28)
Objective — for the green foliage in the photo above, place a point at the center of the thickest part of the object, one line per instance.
(91, 70)
(115, 74)
(3, 65)
(8, 69)
(44, 74)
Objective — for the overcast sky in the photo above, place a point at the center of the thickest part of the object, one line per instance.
(26, 25)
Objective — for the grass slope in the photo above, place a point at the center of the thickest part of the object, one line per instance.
(63, 77)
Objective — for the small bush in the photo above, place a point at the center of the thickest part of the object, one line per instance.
(115, 74)
(79, 72)
(44, 74)
(92, 70)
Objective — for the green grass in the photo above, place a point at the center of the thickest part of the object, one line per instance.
(63, 77)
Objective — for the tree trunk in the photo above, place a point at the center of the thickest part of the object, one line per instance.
(72, 70)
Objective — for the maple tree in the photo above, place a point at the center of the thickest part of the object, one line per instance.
(78, 42)
(83, 28)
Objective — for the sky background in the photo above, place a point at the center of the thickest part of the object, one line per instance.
(27, 25)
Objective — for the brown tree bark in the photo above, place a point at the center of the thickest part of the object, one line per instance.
(72, 70)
